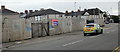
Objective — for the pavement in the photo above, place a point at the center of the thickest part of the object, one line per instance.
(70, 41)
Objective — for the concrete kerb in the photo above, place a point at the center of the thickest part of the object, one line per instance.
(7, 45)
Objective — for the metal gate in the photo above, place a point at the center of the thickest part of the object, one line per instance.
(39, 29)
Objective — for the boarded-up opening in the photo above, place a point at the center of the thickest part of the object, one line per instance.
(39, 29)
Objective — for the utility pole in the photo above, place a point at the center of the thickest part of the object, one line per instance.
(80, 8)
(75, 6)
(111, 10)
(48, 32)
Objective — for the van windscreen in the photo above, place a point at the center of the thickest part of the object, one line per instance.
(89, 25)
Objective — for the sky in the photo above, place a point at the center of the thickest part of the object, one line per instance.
(61, 5)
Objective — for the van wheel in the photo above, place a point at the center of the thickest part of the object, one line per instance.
(96, 31)
(101, 31)
(85, 34)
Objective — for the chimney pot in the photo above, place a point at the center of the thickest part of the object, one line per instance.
(72, 11)
(66, 12)
(30, 11)
(36, 10)
(78, 10)
(26, 11)
(85, 9)
(2, 7)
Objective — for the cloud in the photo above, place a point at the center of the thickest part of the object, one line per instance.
(61, 5)
(40, 1)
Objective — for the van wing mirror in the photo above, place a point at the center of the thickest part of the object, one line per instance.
(101, 25)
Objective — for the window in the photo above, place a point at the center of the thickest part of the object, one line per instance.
(97, 26)
(37, 18)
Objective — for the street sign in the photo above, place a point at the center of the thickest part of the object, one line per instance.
(54, 22)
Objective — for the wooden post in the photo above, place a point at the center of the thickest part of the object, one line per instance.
(48, 34)
(48, 29)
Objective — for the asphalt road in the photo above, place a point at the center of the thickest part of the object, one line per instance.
(75, 41)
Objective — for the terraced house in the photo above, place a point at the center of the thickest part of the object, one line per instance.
(44, 21)
(94, 14)
(84, 17)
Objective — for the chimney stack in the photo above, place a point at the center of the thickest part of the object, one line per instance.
(85, 9)
(26, 11)
(21, 13)
(36, 10)
(72, 11)
(30, 11)
(2, 7)
(78, 10)
(42, 9)
(66, 12)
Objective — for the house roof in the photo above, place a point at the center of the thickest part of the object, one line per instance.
(43, 12)
(7, 12)
(75, 13)
(94, 11)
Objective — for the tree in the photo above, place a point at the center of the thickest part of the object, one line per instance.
(115, 18)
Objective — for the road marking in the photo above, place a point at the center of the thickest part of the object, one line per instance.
(94, 36)
(107, 32)
(72, 43)
(116, 49)
(48, 40)
(18, 42)
(36, 42)
(12, 46)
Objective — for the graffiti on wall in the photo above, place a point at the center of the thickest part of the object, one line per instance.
(28, 28)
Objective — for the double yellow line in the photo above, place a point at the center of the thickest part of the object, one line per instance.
(117, 49)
